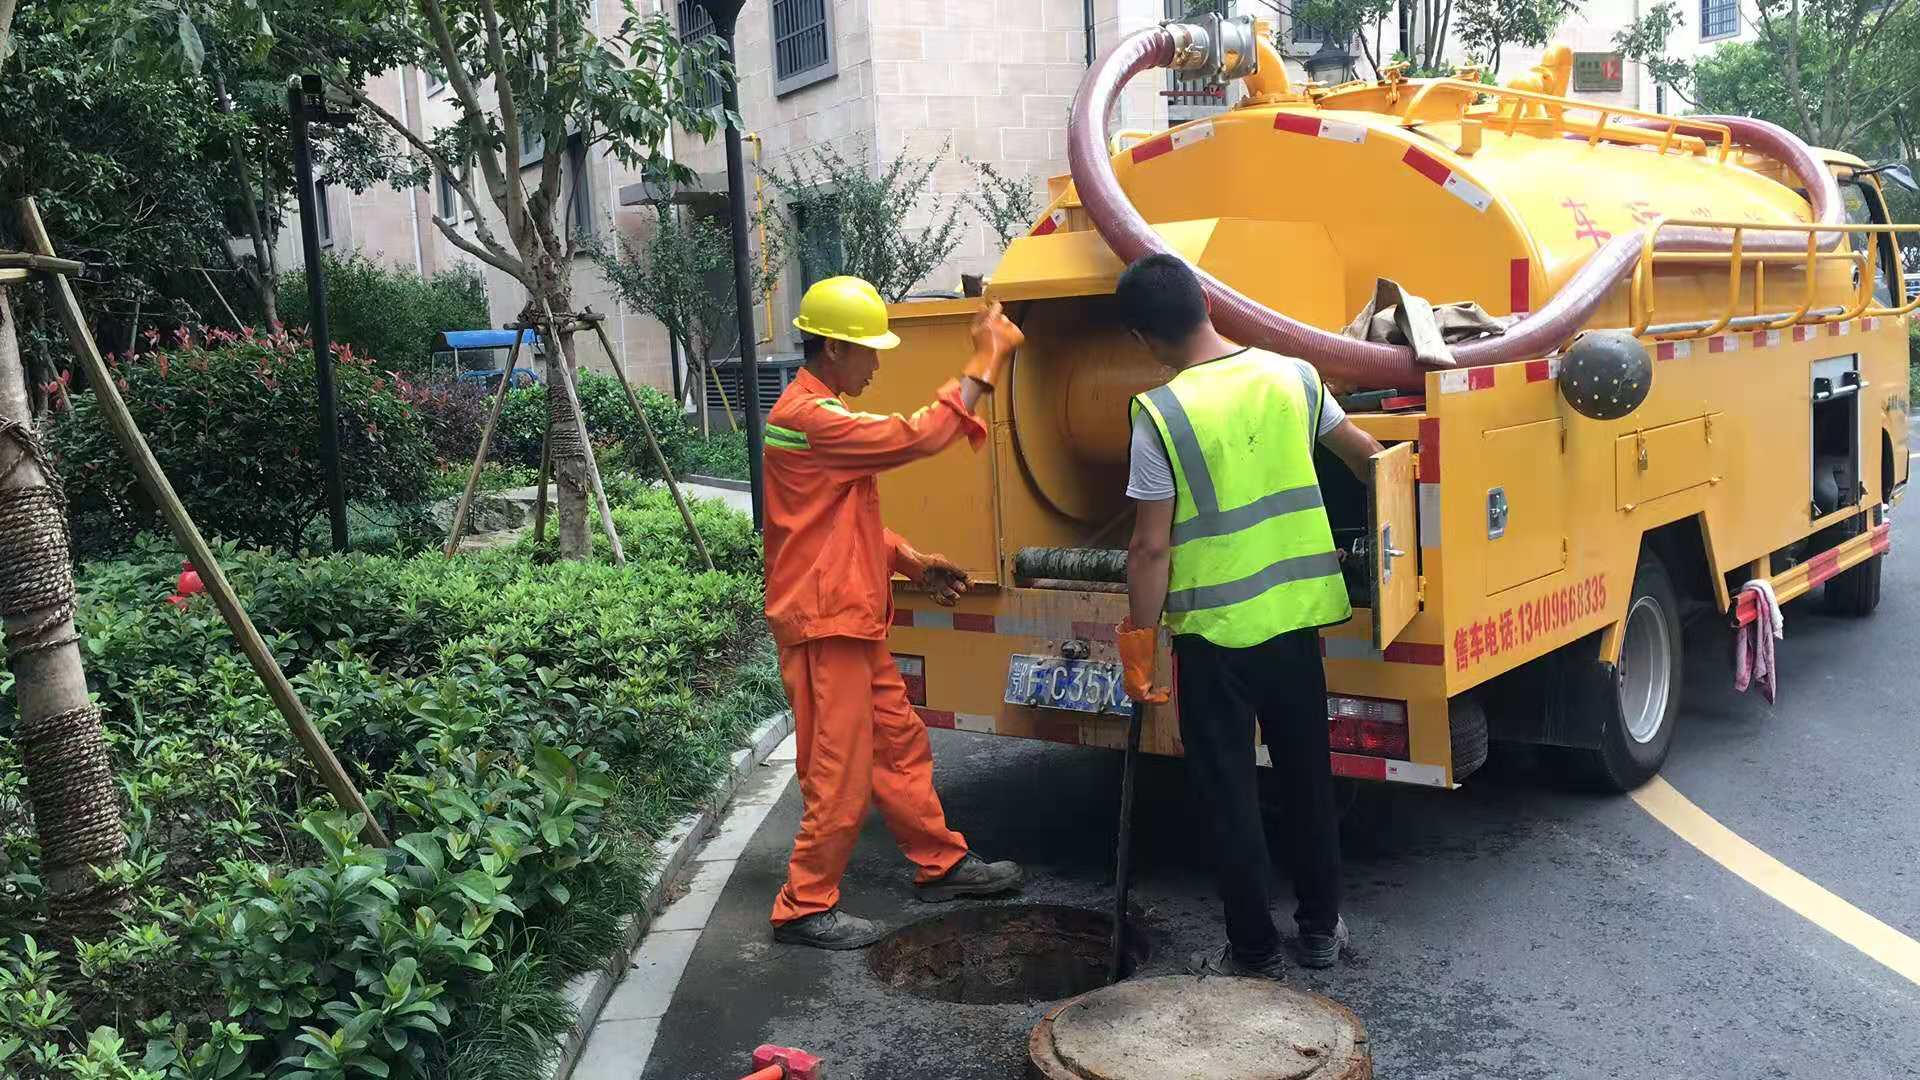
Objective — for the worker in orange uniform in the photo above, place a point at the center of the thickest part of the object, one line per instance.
(830, 565)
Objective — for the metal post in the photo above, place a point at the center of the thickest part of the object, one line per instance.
(725, 13)
(298, 90)
(1123, 846)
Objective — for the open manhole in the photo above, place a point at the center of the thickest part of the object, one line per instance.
(1004, 955)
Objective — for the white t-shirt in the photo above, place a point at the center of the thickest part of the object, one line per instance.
(1150, 473)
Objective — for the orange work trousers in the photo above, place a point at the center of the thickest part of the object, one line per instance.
(859, 741)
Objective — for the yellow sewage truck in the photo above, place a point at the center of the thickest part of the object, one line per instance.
(1523, 560)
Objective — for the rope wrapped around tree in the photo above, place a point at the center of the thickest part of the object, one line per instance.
(76, 804)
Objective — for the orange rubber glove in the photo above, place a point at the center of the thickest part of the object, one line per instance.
(994, 339)
(939, 575)
(1137, 646)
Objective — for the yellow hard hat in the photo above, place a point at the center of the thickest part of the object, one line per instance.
(846, 309)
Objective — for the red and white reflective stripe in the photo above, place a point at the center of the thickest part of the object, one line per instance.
(1053, 222)
(1804, 333)
(1674, 350)
(1723, 343)
(1520, 286)
(1763, 339)
(1839, 329)
(1337, 130)
(1183, 137)
(986, 623)
(1172, 140)
(1456, 185)
(1869, 324)
(979, 723)
(1463, 380)
(1362, 767)
(1543, 370)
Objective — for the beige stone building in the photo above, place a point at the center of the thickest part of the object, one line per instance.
(988, 80)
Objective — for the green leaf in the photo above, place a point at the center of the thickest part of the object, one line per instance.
(477, 886)
(426, 848)
(190, 45)
(559, 892)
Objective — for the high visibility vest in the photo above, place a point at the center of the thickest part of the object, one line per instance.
(1252, 552)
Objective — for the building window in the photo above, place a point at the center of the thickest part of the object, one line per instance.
(436, 79)
(448, 205)
(1719, 18)
(322, 215)
(1660, 99)
(580, 193)
(533, 139)
(695, 26)
(802, 43)
(1308, 34)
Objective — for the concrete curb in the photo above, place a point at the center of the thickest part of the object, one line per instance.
(590, 990)
(724, 482)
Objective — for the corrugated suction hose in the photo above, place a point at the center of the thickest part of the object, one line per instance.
(1373, 364)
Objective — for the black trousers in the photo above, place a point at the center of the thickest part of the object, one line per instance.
(1221, 691)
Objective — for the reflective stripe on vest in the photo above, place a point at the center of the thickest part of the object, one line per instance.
(1253, 554)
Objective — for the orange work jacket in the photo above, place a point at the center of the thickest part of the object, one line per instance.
(830, 561)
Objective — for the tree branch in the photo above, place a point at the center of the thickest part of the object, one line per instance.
(492, 256)
(516, 204)
(470, 101)
(497, 253)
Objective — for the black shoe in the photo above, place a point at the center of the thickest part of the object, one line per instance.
(971, 876)
(831, 929)
(1222, 962)
(1321, 950)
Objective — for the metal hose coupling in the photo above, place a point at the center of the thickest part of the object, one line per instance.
(1216, 47)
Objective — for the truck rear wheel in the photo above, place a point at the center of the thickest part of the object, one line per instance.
(1854, 591)
(1635, 723)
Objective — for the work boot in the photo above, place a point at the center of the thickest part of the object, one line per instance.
(971, 876)
(1321, 950)
(830, 929)
(1220, 961)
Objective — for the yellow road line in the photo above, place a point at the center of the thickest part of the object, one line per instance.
(1882, 943)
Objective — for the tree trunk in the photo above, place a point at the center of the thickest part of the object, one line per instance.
(76, 804)
(265, 282)
(569, 453)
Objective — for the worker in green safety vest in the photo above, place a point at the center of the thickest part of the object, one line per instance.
(1233, 554)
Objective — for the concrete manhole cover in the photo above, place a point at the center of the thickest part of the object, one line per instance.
(1002, 955)
(1183, 1028)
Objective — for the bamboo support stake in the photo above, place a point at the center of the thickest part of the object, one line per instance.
(480, 455)
(586, 441)
(653, 444)
(222, 297)
(107, 395)
(546, 470)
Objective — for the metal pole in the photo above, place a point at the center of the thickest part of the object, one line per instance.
(317, 323)
(742, 283)
(1123, 853)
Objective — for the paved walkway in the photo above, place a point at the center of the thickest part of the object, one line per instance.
(623, 1038)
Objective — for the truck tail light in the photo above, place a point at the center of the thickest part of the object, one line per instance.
(1357, 725)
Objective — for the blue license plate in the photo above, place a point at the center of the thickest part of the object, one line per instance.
(1052, 682)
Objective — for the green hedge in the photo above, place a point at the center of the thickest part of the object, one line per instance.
(524, 733)
(387, 313)
(233, 421)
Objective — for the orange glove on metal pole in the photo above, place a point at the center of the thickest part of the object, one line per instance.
(940, 576)
(1137, 646)
(994, 339)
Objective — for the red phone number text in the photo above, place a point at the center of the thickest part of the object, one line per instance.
(1518, 626)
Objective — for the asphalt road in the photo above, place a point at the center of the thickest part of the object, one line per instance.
(1510, 929)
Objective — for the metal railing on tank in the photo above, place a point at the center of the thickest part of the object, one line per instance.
(1538, 109)
(1737, 260)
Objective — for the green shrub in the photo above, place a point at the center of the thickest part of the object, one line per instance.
(388, 313)
(232, 421)
(610, 420)
(723, 455)
(523, 732)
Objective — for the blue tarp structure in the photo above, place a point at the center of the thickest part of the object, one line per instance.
(482, 339)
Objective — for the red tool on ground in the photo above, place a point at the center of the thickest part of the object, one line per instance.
(784, 1063)
(188, 585)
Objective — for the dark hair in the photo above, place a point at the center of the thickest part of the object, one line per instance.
(1160, 297)
(812, 346)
